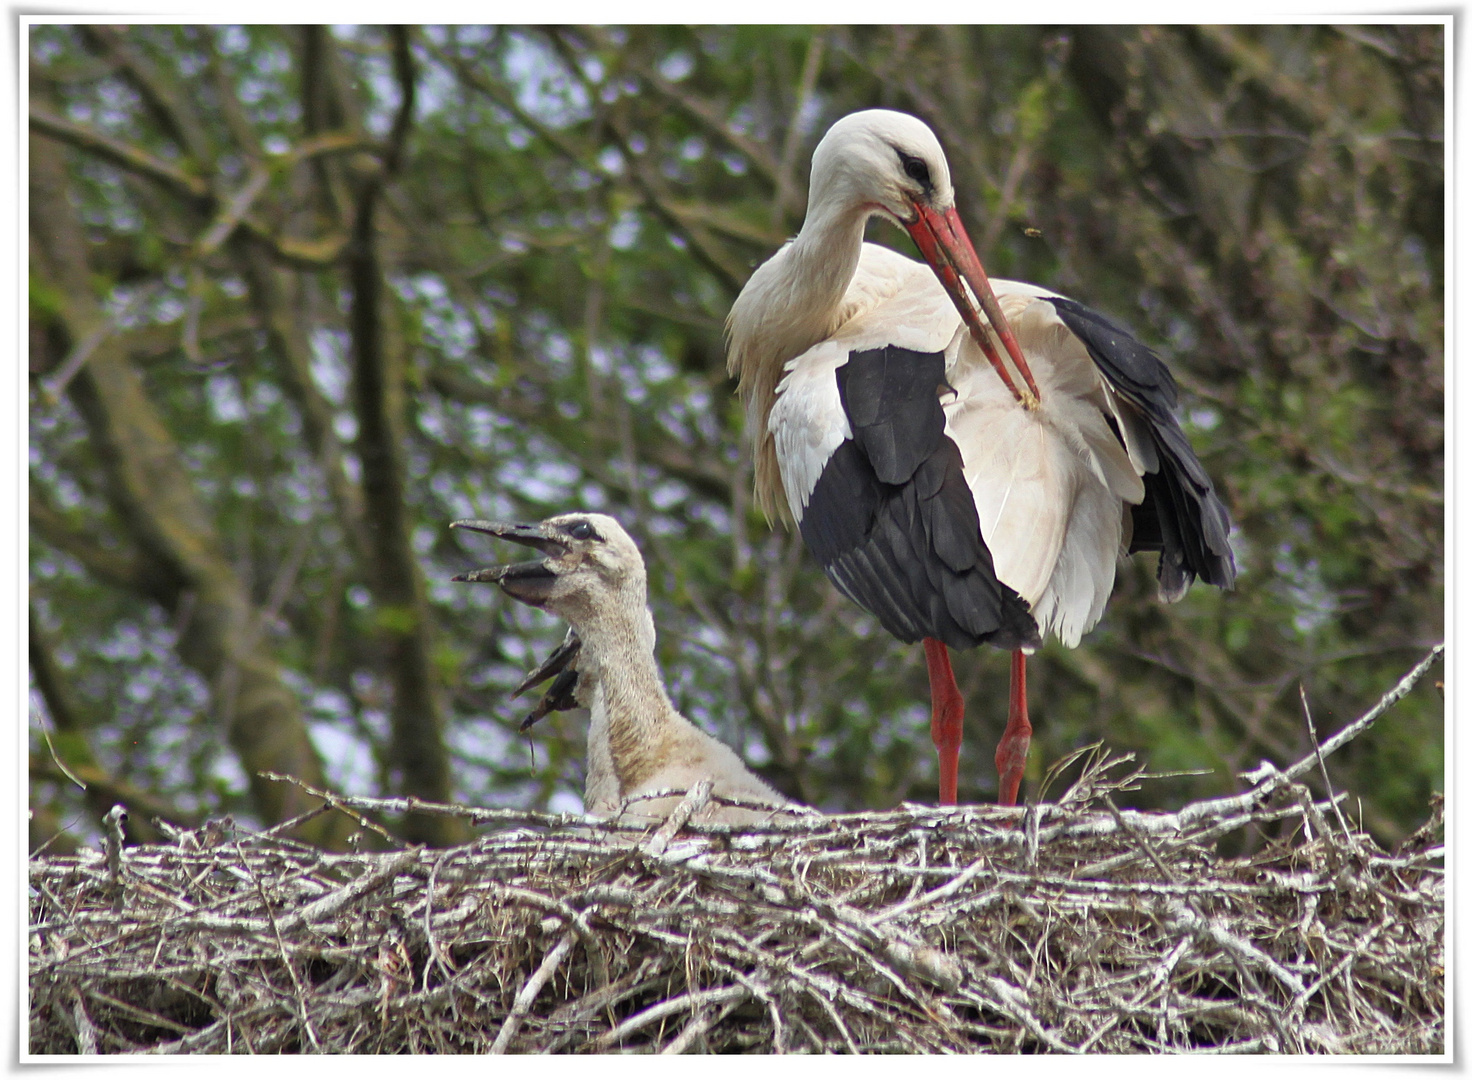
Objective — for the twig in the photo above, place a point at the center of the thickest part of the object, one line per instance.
(113, 841)
(1216, 807)
(281, 828)
(233, 212)
(699, 1026)
(945, 891)
(533, 986)
(118, 152)
(694, 802)
(1144, 845)
(1013, 1002)
(86, 1031)
(434, 948)
(321, 910)
(346, 805)
(1206, 929)
(84, 349)
(1313, 737)
(51, 749)
(301, 999)
(675, 1005)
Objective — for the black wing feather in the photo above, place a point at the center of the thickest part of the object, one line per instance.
(892, 520)
(1181, 517)
(893, 408)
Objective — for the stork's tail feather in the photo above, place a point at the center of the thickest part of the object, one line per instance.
(1183, 519)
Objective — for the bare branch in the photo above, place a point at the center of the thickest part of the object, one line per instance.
(1299, 953)
(168, 103)
(530, 990)
(125, 155)
(120, 569)
(232, 213)
(1276, 779)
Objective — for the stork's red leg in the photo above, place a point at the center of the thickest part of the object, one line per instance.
(946, 712)
(1012, 750)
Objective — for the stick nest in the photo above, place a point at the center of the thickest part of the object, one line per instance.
(1072, 926)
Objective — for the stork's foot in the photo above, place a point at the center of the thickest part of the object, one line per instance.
(1012, 750)
(947, 710)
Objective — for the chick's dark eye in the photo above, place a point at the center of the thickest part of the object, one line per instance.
(582, 530)
(916, 170)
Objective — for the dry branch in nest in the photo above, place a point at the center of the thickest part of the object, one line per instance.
(1067, 927)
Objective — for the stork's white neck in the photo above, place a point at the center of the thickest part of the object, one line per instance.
(819, 266)
(795, 299)
(827, 248)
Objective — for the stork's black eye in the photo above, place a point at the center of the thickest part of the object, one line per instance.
(915, 169)
(583, 530)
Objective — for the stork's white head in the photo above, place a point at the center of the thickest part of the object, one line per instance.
(590, 566)
(888, 163)
(871, 162)
(882, 161)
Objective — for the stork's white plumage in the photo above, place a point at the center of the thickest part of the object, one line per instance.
(966, 481)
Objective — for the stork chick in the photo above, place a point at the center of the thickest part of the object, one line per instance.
(593, 576)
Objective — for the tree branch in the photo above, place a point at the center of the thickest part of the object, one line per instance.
(121, 570)
(506, 100)
(1269, 779)
(170, 108)
(762, 162)
(728, 270)
(398, 136)
(787, 181)
(159, 507)
(293, 353)
(232, 213)
(122, 154)
(406, 628)
(701, 472)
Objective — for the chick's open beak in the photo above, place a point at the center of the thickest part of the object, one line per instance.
(529, 582)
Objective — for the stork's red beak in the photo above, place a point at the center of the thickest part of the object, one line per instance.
(943, 241)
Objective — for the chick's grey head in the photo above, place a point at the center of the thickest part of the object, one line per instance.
(588, 564)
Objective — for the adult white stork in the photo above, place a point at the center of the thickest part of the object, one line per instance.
(960, 492)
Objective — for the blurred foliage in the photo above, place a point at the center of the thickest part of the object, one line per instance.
(560, 219)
